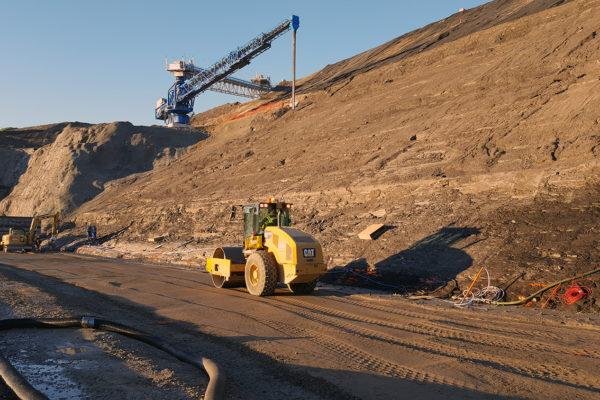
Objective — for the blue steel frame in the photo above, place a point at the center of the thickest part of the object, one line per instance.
(180, 99)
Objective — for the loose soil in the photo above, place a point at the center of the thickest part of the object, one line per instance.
(340, 343)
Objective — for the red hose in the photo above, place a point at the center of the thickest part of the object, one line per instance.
(575, 293)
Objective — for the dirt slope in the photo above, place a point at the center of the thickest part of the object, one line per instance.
(17, 146)
(429, 37)
(65, 165)
(474, 139)
(482, 150)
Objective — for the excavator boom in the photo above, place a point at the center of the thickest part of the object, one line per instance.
(39, 218)
(18, 240)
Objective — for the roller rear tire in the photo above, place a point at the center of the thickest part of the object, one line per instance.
(261, 273)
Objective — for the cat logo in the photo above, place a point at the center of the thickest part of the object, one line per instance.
(309, 253)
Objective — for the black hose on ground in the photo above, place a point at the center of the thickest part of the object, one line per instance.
(25, 391)
(19, 385)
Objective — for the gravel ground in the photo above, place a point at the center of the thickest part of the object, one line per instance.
(339, 343)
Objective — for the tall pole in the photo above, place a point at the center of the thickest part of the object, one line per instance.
(294, 70)
(295, 25)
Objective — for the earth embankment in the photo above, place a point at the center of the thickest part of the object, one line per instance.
(478, 151)
(69, 164)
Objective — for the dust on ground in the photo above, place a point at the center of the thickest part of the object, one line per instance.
(339, 343)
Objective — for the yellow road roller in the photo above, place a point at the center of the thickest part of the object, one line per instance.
(273, 253)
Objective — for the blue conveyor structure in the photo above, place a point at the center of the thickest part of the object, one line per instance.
(191, 80)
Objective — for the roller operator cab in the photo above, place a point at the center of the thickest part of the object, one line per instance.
(273, 252)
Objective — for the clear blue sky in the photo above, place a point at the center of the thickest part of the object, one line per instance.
(103, 61)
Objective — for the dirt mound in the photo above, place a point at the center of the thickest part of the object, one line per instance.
(69, 164)
(16, 147)
(33, 137)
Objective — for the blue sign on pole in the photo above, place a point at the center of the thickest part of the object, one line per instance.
(295, 22)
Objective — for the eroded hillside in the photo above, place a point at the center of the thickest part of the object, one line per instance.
(62, 166)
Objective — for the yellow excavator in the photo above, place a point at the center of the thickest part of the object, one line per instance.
(273, 253)
(19, 240)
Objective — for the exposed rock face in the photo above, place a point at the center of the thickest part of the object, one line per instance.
(16, 147)
(13, 163)
(81, 160)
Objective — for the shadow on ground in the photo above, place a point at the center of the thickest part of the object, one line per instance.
(428, 264)
(71, 242)
(230, 352)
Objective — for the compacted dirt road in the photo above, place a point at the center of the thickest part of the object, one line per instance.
(338, 343)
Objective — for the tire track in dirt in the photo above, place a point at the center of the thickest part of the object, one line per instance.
(462, 334)
(464, 317)
(503, 340)
(449, 315)
(364, 360)
(432, 330)
(557, 374)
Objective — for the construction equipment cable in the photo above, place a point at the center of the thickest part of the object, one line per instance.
(539, 292)
(488, 294)
(492, 294)
(25, 391)
(17, 383)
